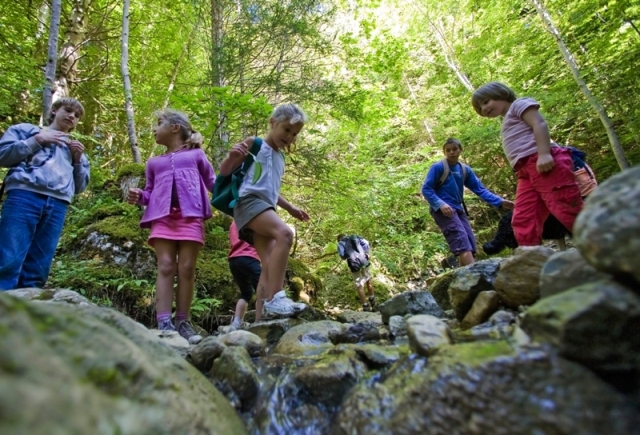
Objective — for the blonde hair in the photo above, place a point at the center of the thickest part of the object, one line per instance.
(289, 112)
(67, 102)
(190, 137)
(491, 91)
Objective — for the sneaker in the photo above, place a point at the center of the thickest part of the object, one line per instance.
(297, 306)
(366, 307)
(166, 327)
(372, 301)
(281, 307)
(185, 329)
(229, 328)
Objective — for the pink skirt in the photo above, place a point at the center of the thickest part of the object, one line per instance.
(175, 227)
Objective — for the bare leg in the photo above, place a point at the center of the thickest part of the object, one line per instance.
(561, 244)
(466, 258)
(187, 256)
(166, 251)
(241, 309)
(370, 287)
(268, 227)
(360, 290)
(264, 247)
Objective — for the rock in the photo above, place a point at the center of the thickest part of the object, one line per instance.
(518, 281)
(595, 324)
(486, 388)
(349, 316)
(359, 332)
(413, 302)
(251, 342)
(607, 231)
(397, 326)
(236, 376)
(486, 303)
(440, 289)
(173, 340)
(50, 295)
(85, 369)
(427, 333)
(565, 270)
(270, 331)
(308, 339)
(469, 281)
(204, 353)
(329, 379)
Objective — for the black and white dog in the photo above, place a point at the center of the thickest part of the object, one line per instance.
(505, 238)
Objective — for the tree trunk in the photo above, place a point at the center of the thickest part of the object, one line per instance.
(128, 103)
(67, 70)
(218, 77)
(415, 101)
(52, 54)
(575, 70)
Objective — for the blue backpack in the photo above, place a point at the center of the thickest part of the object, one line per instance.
(225, 190)
(579, 158)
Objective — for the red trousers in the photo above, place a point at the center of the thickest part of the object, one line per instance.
(538, 194)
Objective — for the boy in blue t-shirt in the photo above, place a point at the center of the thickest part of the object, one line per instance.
(445, 197)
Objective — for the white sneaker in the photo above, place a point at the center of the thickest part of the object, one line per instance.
(297, 306)
(229, 328)
(277, 307)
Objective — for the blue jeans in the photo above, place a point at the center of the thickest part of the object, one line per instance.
(30, 227)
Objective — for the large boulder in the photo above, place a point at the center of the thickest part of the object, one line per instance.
(518, 282)
(595, 324)
(565, 270)
(469, 281)
(486, 388)
(83, 369)
(607, 231)
(411, 302)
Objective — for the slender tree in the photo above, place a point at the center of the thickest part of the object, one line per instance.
(52, 57)
(575, 70)
(124, 67)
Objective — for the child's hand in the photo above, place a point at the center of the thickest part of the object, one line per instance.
(509, 205)
(545, 163)
(48, 136)
(77, 149)
(241, 149)
(134, 195)
(447, 210)
(299, 214)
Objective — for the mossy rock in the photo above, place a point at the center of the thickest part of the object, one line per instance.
(131, 170)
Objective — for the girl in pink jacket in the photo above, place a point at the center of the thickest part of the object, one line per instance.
(177, 200)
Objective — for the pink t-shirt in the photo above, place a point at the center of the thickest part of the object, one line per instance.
(517, 136)
(238, 247)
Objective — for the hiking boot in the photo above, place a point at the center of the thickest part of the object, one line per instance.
(372, 301)
(185, 329)
(366, 307)
(166, 327)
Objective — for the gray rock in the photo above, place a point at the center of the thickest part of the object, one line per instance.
(440, 289)
(469, 281)
(595, 324)
(565, 270)
(251, 342)
(398, 326)
(50, 295)
(418, 302)
(518, 282)
(205, 353)
(83, 369)
(236, 376)
(349, 316)
(427, 333)
(607, 231)
(486, 303)
(309, 339)
(493, 389)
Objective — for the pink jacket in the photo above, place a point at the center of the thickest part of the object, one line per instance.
(194, 178)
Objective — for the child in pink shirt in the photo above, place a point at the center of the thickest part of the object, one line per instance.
(546, 182)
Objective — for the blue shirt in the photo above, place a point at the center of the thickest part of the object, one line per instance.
(451, 191)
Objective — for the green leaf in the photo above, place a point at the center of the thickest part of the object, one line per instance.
(258, 169)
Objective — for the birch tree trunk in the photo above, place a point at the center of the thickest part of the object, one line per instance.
(575, 70)
(67, 70)
(52, 55)
(124, 68)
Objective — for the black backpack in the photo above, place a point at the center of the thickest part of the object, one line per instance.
(353, 253)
